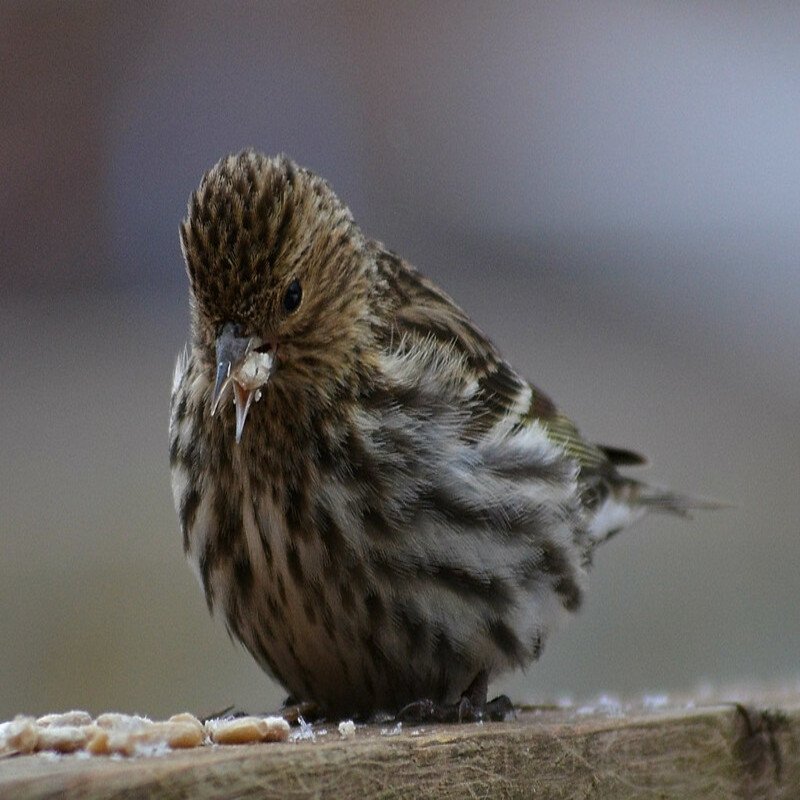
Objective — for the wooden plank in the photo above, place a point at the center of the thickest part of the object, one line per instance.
(721, 751)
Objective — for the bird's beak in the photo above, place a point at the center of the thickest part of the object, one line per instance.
(242, 398)
(232, 350)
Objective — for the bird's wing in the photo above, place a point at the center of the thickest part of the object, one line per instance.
(422, 311)
(502, 400)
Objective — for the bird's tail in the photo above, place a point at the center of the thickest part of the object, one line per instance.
(655, 498)
(628, 500)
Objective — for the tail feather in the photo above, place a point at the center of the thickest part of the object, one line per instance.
(629, 500)
(664, 501)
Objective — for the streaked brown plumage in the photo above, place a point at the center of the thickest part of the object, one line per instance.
(392, 513)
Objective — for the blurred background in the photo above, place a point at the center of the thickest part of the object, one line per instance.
(612, 190)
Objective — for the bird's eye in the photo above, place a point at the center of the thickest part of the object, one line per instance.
(293, 296)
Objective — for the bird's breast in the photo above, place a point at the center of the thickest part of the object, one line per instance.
(393, 561)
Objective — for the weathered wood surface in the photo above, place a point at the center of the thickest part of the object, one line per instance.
(716, 751)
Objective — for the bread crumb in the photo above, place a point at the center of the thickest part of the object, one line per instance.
(76, 719)
(122, 722)
(62, 738)
(152, 738)
(247, 730)
(18, 736)
(396, 731)
(304, 732)
(124, 735)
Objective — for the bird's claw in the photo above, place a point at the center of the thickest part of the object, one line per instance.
(464, 710)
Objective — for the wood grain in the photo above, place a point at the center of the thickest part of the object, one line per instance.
(727, 750)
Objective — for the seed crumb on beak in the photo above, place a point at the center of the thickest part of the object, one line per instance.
(255, 369)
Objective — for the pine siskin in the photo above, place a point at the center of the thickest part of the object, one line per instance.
(389, 513)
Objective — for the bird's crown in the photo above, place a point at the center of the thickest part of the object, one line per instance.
(253, 226)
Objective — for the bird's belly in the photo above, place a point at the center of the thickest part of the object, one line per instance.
(361, 617)
(355, 641)
(330, 633)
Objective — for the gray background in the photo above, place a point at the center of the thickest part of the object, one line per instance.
(612, 190)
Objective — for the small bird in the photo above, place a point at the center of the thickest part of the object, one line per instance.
(385, 513)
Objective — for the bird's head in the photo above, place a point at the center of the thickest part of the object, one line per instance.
(280, 281)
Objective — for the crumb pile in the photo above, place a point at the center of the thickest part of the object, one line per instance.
(131, 735)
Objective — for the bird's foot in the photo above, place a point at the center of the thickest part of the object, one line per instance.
(501, 709)
(464, 710)
(472, 706)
